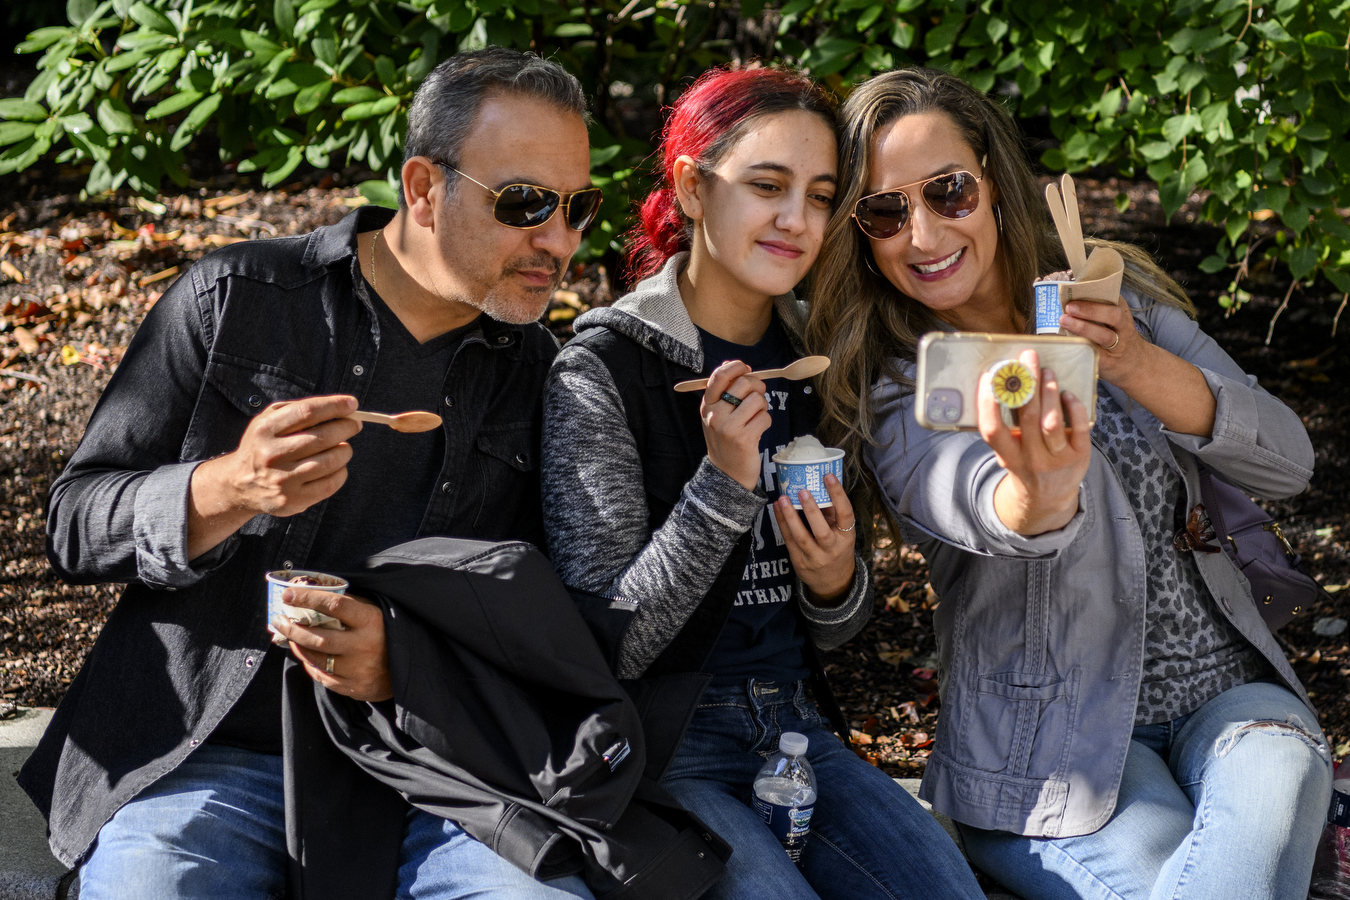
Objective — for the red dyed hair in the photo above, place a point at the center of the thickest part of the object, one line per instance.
(704, 123)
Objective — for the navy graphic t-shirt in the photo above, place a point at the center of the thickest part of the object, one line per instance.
(761, 637)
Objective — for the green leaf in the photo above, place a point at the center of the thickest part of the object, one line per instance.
(573, 30)
(940, 39)
(902, 34)
(283, 167)
(1314, 131)
(1172, 193)
(1122, 202)
(1213, 264)
(258, 44)
(44, 38)
(361, 94)
(602, 155)
(283, 13)
(79, 11)
(12, 132)
(370, 109)
(194, 121)
(870, 15)
(1155, 150)
(1178, 127)
(315, 5)
(22, 110)
(379, 193)
(114, 116)
(79, 123)
(176, 103)
(308, 99)
(149, 17)
(996, 29)
(1338, 277)
(1301, 261)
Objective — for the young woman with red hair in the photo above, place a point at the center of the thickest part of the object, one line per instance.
(659, 501)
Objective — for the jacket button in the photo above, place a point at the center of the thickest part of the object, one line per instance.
(447, 488)
(254, 401)
(503, 338)
(358, 370)
(807, 389)
(521, 458)
(249, 662)
(449, 401)
(194, 742)
(288, 565)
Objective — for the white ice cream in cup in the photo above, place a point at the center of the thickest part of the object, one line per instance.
(802, 466)
(279, 580)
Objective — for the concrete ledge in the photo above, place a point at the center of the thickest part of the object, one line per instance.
(28, 871)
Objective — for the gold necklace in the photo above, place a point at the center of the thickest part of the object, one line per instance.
(375, 240)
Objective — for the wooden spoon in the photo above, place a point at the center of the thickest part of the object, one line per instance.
(407, 422)
(796, 371)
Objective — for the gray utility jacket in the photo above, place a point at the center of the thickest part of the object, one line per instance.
(1041, 639)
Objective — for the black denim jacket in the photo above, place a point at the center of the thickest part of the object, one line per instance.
(245, 326)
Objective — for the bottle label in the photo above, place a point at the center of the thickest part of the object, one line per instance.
(790, 824)
(1339, 814)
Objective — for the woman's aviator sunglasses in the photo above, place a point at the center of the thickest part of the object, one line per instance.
(529, 205)
(883, 215)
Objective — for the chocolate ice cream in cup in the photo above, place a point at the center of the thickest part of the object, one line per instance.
(279, 580)
(802, 466)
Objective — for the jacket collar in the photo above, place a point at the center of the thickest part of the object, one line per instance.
(654, 314)
(336, 243)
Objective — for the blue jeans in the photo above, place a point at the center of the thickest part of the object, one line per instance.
(215, 827)
(1225, 803)
(869, 837)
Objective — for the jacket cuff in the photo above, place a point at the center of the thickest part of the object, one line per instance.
(1003, 541)
(859, 591)
(722, 499)
(160, 526)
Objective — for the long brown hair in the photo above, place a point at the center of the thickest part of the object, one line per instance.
(866, 325)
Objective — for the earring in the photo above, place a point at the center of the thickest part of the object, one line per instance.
(998, 217)
(867, 261)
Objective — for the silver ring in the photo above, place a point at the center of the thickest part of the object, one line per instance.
(849, 528)
(1117, 341)
(328, 666)
(731, 398)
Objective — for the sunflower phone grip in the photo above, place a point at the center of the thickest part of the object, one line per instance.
(950, 365)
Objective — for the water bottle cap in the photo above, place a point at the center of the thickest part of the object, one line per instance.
(792, 743)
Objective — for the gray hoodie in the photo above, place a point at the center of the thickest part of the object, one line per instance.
(595, 509)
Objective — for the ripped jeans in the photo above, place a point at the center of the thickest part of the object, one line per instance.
(1223, 804)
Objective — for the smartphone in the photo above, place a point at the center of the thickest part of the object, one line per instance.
(951, 363)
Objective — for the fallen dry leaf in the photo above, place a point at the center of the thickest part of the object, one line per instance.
(12, 271)
(223, 240)
(223, 203)
(24, 338)
(159, 276)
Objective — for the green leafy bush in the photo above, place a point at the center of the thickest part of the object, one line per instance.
(1245, 102)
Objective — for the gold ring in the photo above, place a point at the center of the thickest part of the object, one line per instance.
(328, 666)
(1117, 341)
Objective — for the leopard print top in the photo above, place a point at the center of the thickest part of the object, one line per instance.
(1191, 651)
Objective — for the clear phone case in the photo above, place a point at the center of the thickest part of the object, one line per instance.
(951, 363)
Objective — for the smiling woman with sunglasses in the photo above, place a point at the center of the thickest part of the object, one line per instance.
(1116, 720)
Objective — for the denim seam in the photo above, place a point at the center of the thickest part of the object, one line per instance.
(853, 862)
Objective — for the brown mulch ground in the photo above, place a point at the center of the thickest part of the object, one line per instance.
(77, 277)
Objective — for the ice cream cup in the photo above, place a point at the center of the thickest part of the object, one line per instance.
(796, 475)
(1049, 305)
(278, 581)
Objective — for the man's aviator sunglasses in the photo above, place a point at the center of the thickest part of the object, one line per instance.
(530, 205)
(885, 214)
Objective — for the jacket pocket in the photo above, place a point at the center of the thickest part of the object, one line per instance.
(1022, 724)
(234, 391)
(508, 471)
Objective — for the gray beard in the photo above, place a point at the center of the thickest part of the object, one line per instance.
(514, 310)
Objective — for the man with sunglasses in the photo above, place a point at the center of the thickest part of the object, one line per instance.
(221, 450)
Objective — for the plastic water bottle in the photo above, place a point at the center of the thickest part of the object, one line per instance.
(785, 794)
(1331, 868)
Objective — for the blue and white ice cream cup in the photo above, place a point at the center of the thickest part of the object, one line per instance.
(795, 475)
(1049, 306)
(279, 580)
